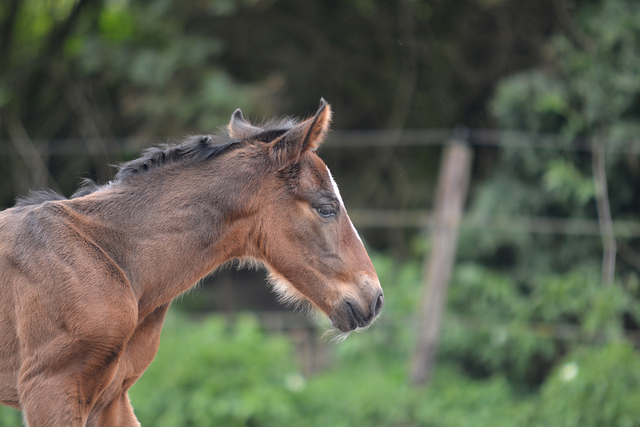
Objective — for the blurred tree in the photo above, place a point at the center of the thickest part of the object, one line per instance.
(586, 91)
(384, 63)
(91, 68)
(98, 70)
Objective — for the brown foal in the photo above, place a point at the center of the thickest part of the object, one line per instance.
(86, 282)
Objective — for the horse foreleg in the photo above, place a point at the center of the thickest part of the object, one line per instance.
(117, 413)
(59, 384)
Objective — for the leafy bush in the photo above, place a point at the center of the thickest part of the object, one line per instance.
(210, 373)
(10, 417)
(519, 301)
(493, 326)
(593, 387)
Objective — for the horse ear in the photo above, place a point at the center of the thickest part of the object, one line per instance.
(239, 127)
(318, 127)
(307, 135)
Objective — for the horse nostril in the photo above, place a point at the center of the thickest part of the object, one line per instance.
(379, 304)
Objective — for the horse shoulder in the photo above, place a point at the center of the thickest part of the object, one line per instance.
(9, 344)
(65, 285)
(71, 310)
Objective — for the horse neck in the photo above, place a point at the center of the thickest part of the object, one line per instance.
(167, 234)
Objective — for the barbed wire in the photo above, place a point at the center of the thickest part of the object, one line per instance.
(393, 218)
(406, 218)
(354, 139)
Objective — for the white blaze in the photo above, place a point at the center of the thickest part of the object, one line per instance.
(337, 193)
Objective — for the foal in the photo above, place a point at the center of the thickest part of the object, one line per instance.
(86, 282)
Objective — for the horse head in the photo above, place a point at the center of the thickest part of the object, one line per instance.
(304, 235)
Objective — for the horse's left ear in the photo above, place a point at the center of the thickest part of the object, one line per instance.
(307, 135)
(239, 127)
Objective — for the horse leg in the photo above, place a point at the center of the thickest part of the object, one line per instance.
(117, 413)
(138, 354)
(60, 383)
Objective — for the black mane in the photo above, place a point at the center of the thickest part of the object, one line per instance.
(195, 149)
(200, 148)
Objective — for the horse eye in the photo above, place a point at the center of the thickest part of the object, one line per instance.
(326, 211)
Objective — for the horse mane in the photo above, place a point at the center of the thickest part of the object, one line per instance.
(35, 197)
(194, 149)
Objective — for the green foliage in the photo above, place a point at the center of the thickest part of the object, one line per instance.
(531, 297)
(10, 417)
(494, 326)
(592, 86)
(170, 72)
(211, 373)
(587, 93)
(488, 328)
(129, 67)
(519, 302)
(117, 24)
(531, 101)
(593, 387)
(568, 183)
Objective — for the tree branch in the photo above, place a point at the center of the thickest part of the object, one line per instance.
(60, 33)
(7, 34)
(604, 212)
(40, 175)
(579, 39)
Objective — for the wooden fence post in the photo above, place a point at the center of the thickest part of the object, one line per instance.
(453, 184)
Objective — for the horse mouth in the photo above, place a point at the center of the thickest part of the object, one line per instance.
(349, 316)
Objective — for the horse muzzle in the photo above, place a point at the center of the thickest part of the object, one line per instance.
(353, 313)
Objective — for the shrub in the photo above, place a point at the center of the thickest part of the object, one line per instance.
(212, 373)
(10, 417)
(593, 387)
